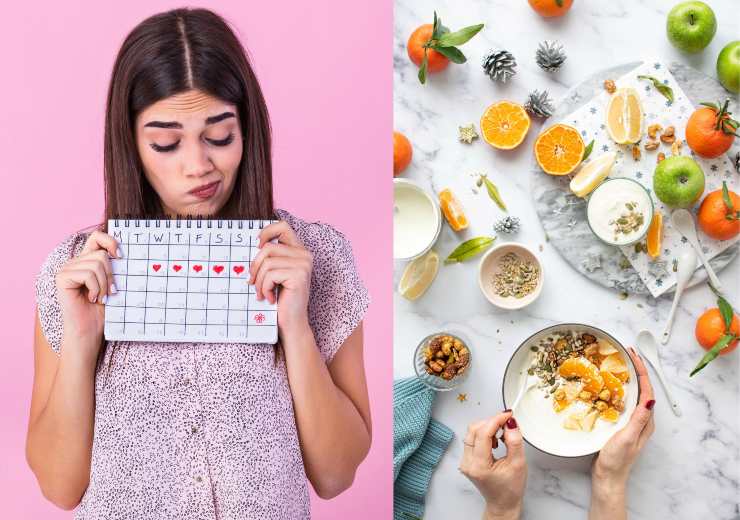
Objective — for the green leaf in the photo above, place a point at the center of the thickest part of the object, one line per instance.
(469, 249)
(456, 38)
(493, 192)
(713, 106)
(588, 150)
(713, 352)
(423, 69)
(726, 196)
(435, 27)
(453, 53)
(726, 311)
(660, 87)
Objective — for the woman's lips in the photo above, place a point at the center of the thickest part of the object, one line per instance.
(207, 191)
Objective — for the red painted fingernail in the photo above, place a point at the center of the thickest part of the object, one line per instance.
(511, 423)
(649, 405)
(507, 410)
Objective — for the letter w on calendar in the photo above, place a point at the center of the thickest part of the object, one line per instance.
(187, 280)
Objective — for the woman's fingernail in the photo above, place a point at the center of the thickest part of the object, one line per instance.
(511, 423)
(113, 289)
(649, 405)
(119, 253)
(507, 410)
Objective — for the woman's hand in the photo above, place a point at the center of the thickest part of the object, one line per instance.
(500, 481)
(83, 282)
(612, 465)
(288, 264)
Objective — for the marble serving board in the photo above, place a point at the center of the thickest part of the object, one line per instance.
(563, 215)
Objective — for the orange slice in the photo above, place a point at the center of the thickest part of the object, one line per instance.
(504, 125)
(613, 384)
(585, 370)
(654, 235)
(559, 149)
(614, 363)
(452, 210)
(610, 414)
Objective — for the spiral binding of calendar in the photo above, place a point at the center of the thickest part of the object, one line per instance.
(190, 223)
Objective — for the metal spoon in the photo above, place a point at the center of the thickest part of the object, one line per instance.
(686, 267)
(648, 348)
(684, 223)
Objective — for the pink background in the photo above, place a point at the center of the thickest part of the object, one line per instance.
(326, 70)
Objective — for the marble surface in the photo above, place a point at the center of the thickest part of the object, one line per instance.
(691, 466)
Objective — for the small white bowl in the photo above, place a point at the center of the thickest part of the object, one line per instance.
(488, 267)
(546, 432)
(426, 204)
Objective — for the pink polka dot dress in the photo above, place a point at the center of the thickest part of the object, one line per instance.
(205, 430)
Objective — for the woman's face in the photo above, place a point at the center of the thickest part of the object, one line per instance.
(189, 142)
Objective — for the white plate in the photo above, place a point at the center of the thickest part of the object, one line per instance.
(540, 425)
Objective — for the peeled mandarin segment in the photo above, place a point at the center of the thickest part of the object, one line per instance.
(504, 125)
(452, 210)
(560, 404)
(559, 149)
(419, 275)
(613, 384)
(584, 370)
(610, 414)
(614, 363)
(654, 235)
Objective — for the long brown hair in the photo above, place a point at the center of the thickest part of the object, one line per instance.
(167, 54)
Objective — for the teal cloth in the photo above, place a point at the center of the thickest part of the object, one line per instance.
(418, 444)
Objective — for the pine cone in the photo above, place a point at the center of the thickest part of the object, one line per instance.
(550, 55)
(507, 225)
(499, 65)
(539, 104)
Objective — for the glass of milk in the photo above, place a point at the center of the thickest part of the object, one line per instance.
(417, 220)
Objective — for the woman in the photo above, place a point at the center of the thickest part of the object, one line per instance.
(502, 482)
(197, 430)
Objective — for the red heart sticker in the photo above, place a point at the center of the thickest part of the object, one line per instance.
(176, 267)
(156, 267)
(218, 268)
(238, 269)
(197, 268)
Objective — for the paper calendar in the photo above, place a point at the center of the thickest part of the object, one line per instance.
(187, 280)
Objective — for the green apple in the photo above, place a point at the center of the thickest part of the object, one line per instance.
(691, 26)
(728, 66)
(678, 181)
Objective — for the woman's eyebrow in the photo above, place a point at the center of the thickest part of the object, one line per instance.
(174, 124)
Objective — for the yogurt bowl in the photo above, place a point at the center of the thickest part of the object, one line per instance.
(417, 220)
(619, 211)
(541, 425)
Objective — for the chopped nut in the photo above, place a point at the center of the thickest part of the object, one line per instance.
(601, 406)
(561, 344)
(618, 405)
(636, 152)
(449, 372)
(651, 145)
(661, 156)
(668, 139)
(440, 354)
(588, 339)
(610, 86)
(604, 395)
(447, 348)
(436, 366)
(668, 132)
(585, 395)
(559, 394)
(676, 147)
(653, 130)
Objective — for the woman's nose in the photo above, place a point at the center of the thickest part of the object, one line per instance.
(197, 162)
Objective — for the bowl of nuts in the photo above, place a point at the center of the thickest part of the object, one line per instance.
(442, 360)
(586, 389)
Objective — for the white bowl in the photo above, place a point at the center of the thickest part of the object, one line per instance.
(540, 425)
(428, 204)
(488, 266)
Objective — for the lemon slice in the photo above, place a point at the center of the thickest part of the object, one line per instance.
(624, 116)
(592, 174)
(419, 275)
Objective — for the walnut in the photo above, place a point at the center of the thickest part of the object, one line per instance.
(653, 130)
(667, 139)
(610, 86)
(601, 406)
(588, 338)
(676, 147)
(604, 395)
(661, 156)
(636, 152)
(651, 145)
(436, 366)
(668, 132)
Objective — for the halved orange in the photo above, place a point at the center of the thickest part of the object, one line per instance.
(452, 210)
(504, 125)
(559, 149)
(585, 370)
(654, 235)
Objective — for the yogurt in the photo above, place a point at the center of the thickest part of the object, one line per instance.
(416, 220)
(619, 211)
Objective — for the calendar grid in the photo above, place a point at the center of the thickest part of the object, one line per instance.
(207, 296)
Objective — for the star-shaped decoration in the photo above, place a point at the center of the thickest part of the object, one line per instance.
(467, 133)
(462, 397)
